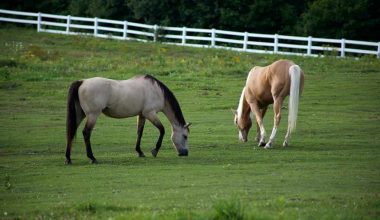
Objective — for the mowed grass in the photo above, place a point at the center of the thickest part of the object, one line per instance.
(330, 171)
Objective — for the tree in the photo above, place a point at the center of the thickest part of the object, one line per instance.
(110, 9)
(349, 19)
(343, 19)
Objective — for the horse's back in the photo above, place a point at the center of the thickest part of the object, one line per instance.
(280, 70)
(119, 98)
(138, 95)
(266, 82)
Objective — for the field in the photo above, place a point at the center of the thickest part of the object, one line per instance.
(330, 171)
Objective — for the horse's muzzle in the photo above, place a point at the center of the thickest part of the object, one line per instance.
(242, 138)
(183, 152)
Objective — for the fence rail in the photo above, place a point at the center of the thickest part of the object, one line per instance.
(194, 37)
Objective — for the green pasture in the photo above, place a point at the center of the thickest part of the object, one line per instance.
(330, 171)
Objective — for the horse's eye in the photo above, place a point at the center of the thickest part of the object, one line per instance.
(185, 136)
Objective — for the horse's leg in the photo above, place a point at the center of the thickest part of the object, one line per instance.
(152, 117)
(91, 120)
(259, 120)
(140, 129)
(277, 104)
(258, 135)
(287, 137)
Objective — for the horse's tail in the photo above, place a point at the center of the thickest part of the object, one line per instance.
(75, 115)
(73, 108)
(295, 76)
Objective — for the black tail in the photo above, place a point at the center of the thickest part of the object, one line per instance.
(72, 120)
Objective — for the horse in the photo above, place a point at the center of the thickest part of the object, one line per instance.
(269, 85)
(143, 96)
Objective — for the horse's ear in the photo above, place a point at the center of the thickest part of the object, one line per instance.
(187, 125)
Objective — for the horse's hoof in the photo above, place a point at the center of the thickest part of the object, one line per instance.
(94, 161)
(258, 138)
(285, 144)
(141, 155)
(261, 144)
(268, 146)
(68, 162)
(154, 152)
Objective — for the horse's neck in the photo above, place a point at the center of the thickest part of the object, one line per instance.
(168, 111)
(243, 108)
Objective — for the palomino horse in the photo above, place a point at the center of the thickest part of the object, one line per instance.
(265, 86)
(143, 96)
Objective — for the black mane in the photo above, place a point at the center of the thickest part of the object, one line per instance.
(170, 98)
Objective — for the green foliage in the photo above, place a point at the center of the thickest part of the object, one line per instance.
(348, 19)
(330, 171)
(7, 183)
(5, 73)
(342, 19)
(229, 210)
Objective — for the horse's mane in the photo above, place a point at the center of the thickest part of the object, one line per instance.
(170, 98)
(240, 106)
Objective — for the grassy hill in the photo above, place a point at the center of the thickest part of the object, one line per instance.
(330, 171)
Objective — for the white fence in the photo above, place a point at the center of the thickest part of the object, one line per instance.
(239, 41)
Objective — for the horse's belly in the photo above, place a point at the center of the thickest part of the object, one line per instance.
(122, 111)
(265, 99)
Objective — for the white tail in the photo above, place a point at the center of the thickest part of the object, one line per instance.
(295, 74)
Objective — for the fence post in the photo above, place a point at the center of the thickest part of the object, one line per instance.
(68, 24)
(342, 47)
(125, 30)
(309, 44)
(245, 41)
(213, 37)
(39, 22)
(275, 48)
(95, 26)
(183, 35)
(378, 50)
(155, 33)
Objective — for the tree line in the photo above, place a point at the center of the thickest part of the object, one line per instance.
(350, 19)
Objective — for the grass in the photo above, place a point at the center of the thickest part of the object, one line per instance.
(330, 171)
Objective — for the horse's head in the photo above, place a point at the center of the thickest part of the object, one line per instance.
(243, 124)
(179, 139)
